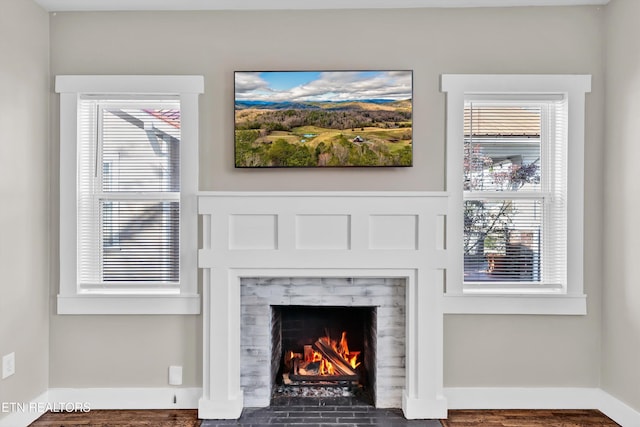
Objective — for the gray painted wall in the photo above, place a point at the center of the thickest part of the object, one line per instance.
(101, 351)
(621, 313)
(24, 191)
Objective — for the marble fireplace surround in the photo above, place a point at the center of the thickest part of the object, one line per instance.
(323, 235)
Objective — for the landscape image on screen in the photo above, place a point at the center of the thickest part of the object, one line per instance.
(323, 119)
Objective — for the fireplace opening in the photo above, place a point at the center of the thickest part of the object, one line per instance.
(323, 352)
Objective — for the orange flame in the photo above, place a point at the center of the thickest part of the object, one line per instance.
(342, 348)
(326, 368)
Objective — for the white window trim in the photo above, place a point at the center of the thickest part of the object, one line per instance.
(466, 300)
(71, 299)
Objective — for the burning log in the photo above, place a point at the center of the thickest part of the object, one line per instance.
(302, 372)
(341, 366)
(325, 360)
(289, 360)
(312, 369)
(308, 353)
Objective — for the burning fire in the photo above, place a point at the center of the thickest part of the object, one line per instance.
(326, 368)
(343, 349)
(328, 358)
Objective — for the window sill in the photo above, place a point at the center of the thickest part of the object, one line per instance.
(549, 304)
(129, 304)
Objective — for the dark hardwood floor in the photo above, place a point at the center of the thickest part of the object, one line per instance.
(189, 418)
(108, 418)
(509, 418)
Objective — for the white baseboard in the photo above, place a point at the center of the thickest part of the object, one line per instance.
(24, 413)
(58, 399)
(618, 411)
(521, 398)
(129, 398)
(543, 398)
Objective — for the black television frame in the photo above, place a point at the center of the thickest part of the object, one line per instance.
(368, 114)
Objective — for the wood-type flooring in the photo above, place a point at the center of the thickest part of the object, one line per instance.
(528, 418)
(124, 418)
(457, 418)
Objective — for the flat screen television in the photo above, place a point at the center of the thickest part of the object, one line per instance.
(286, 119)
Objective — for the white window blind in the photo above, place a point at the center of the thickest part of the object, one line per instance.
(514, 186)
(128, 193)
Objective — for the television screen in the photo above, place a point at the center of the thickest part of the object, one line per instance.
(323, 119)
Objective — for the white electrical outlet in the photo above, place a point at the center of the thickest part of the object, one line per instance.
(175, 375)
(8, 365)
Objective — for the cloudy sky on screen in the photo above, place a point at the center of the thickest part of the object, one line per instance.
(322, 86)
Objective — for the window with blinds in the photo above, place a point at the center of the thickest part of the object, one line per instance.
(128, 193)
(514, 185)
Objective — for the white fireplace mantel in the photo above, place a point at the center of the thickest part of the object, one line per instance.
(323, 234)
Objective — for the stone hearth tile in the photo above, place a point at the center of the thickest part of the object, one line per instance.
(314, 415)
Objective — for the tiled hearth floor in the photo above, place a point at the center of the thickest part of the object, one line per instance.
(320, 412)
(316, 415)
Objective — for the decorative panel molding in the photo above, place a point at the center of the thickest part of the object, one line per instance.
(248, 231)
(331, 236)
(349, 229)
(323, 232)
(393, 232)
(441, 232)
